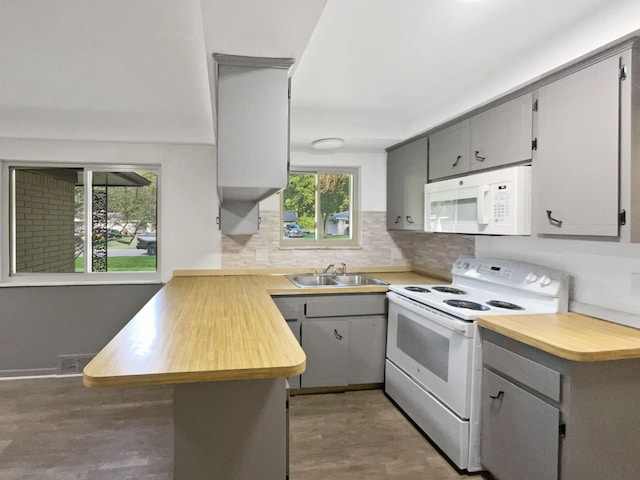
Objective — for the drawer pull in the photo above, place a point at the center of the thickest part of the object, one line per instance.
(455, 164)
(553, 221)
(337, 335)
(496, 397)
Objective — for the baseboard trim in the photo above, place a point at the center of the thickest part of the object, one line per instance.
(28, 372)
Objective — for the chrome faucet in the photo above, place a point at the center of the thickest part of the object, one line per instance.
(344, 268)
(326, 270)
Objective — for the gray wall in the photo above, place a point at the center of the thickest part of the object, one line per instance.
(39, 323)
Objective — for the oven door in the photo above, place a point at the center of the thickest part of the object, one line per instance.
(434, 348)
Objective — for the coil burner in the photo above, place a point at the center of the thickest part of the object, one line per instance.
(417, 289)
(507, 305)
(466, 304)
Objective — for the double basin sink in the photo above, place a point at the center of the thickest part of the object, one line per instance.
(333, 280)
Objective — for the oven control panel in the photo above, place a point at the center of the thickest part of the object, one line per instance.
(523, 276)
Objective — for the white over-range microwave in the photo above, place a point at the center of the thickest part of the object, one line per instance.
(496, 202)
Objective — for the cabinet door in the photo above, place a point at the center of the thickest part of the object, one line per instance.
(502, 135)
(326, 344)
(449, 151)
(406, 176)
(367, 342)
(520, 436)
(576, 167)
(291, 309)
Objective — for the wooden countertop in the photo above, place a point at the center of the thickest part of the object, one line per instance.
(209, 327)
(571, 336)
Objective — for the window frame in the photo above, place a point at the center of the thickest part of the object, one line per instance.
(354, 220)
(7, 229)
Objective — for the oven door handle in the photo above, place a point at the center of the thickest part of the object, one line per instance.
(454, 324)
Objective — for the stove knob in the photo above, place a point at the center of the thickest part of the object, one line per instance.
(545, 280)
(531, 277)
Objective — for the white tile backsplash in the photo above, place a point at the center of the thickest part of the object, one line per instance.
(379, 247)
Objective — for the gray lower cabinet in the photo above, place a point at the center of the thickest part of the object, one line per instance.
(343, 336)
(547, 418)
(291, 309)
(576, 165)
(520, 432)
(326, 344)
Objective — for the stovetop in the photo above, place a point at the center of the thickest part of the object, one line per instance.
(493, 287)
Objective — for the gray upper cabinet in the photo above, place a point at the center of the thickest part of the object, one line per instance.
(502, 135)
(252, 135)
(495, 137)
(406, 176)
(449, 151)
(576, 165)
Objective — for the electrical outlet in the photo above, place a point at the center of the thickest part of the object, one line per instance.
(262, 254)
(68, 364)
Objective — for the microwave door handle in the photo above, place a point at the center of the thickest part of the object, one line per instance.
(482, 194)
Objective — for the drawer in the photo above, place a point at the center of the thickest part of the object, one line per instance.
(290, 308)
(346, 305)
(538, 377)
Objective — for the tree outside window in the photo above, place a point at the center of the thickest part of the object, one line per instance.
(78, 220)
(318, 208)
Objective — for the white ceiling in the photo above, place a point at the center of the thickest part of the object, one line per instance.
(376, 72)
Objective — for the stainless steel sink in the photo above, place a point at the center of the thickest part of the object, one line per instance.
(312, 280)
(331, 280)
(358, 279)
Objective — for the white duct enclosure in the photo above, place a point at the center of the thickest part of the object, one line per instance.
(252, 105)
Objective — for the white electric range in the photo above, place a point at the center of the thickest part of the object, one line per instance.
(434, 351)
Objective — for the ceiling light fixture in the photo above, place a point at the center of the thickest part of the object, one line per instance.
(327, 143)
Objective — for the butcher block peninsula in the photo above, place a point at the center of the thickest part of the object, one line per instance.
(220, 340)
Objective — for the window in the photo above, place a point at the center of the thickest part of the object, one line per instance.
(319, 208)
(82, 221)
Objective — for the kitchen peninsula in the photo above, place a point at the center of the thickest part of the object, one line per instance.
(222, 343)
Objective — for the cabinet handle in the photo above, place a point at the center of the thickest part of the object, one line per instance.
(398, 219)
(499, 395)
(455, 164)
(337, 335)
(409, 219)
(479, 157)
(553, 221)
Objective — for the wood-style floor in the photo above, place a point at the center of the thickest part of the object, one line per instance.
(55, 428)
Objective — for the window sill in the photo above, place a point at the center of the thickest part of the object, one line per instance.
(319, 247)
(55, 280)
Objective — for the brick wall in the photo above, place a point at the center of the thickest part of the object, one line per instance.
(379, 247)
(45, 209)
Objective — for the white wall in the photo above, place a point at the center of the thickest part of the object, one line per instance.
(188, 199)
(605, 275)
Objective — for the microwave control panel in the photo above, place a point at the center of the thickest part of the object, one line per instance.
(500, 195)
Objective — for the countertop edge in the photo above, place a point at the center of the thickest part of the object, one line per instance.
(191, 377)
(554, 348)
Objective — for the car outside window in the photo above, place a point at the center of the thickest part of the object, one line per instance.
(69, 222)
(319, 208)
